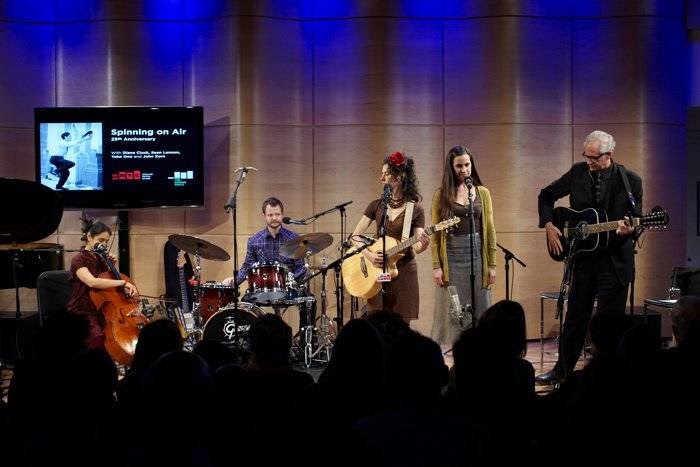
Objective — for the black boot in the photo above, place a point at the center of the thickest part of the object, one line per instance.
(552, 377)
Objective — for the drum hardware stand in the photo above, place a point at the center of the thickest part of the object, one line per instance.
(324, 329)
(339, 287)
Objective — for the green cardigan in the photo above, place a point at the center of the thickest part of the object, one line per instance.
(438, 247)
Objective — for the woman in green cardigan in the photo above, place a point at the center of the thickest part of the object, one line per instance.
(451, 250)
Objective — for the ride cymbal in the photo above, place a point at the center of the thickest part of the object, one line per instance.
(310, 243)
(198, 246)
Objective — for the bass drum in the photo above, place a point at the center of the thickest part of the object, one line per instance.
(230, 325)
(213, 296)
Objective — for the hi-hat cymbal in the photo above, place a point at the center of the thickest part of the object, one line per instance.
(310, 243)
(197, 246)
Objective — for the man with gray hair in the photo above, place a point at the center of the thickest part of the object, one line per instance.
(605, 271)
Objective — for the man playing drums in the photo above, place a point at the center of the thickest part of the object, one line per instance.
(264, 267)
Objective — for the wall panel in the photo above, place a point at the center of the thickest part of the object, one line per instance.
(378, 71)
(19, 160)
(495, 71)
(28, 76)
(624, 73)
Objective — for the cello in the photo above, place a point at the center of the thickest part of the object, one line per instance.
(123, 317)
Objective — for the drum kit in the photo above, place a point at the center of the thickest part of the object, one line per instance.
(216, 315)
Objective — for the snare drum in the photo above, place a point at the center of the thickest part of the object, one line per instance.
(230, 325)
(266, 282)
(213, 296)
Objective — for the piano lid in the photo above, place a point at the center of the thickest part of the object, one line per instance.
(30, 211)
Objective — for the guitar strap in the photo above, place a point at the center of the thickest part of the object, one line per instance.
(407, 220)
(630, 197)
(630, 202)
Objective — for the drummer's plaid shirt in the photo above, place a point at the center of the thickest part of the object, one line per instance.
(263, 247)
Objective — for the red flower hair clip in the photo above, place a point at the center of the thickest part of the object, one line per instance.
(397, 159)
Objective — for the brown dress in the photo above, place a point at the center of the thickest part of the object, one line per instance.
(402, 292)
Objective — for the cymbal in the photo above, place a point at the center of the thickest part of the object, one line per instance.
(198, 246)
(312, 242)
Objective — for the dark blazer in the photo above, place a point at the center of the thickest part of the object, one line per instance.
(578, 185)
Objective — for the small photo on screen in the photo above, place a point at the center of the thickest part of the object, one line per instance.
(71, 155)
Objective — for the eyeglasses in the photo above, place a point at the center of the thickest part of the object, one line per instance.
(595, 158)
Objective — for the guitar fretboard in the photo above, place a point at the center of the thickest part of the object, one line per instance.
(603, 226)
(408, 242)
(183, 291)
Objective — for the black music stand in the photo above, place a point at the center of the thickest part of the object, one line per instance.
(30, 212)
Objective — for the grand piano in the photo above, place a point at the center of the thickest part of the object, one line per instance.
(29, 211)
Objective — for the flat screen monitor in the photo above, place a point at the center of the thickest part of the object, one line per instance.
(121, 157)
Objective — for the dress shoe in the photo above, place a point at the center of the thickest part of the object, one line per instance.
(552, 377)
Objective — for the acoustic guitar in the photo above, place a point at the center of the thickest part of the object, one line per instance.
(590, 228)
(360, 275)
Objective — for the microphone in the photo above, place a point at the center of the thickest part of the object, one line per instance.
(366, 239)
(289, 220)
(387, 192)
(455, 309)
(100, 248)
(469, 182)
(231, 204)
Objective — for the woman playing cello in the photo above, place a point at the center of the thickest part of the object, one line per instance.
(86, 267)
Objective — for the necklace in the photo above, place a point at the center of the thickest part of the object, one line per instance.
(395, 203)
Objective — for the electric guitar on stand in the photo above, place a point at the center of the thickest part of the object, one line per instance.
(591, 228)
(185, 318)
(360, 275)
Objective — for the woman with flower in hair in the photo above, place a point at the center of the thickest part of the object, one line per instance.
(85, 269)
(451, 250)
(399, 179)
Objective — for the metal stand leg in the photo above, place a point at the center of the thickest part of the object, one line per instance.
(541, 332)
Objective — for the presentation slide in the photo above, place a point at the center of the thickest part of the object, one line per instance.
(159, 155)
(121, 157)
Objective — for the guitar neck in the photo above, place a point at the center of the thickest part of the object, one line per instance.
(605, 226)
(183, 291)
(408, 242)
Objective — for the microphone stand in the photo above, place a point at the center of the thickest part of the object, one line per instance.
(382, 233)
(339, 286)
(564, 292)
(509, 255)
(472, 277)
(231, 205)
(340, 207)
